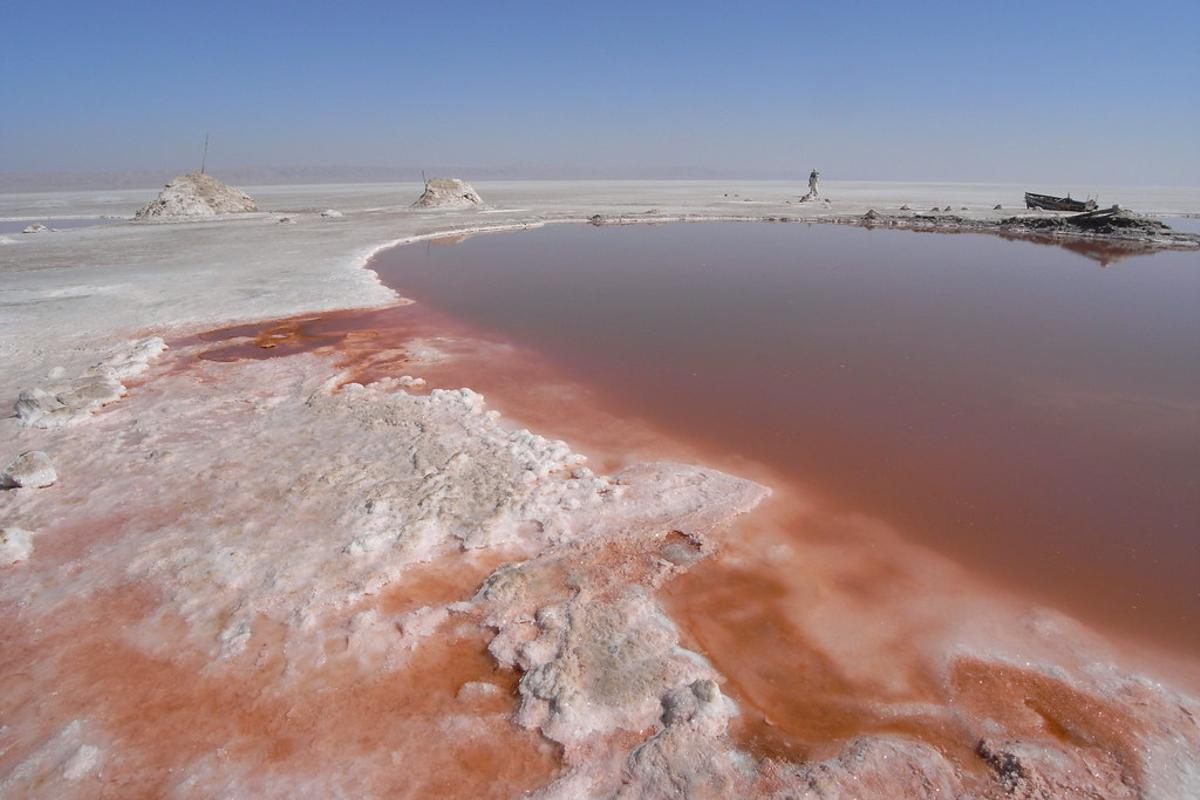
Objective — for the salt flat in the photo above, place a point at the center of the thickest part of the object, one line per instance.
(67, 292)
(234, 537)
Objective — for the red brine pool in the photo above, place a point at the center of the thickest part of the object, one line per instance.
(1014, 406)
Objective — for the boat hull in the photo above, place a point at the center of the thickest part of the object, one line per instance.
(1058, 203)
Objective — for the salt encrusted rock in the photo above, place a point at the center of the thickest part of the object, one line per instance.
(600, 658)
(31, 470)
(876, 766)
(196, 194)
(906, 207)
(331, 213)
(62, 404)
(36, 227)
(16, 545)
(596, 667)
(691, 756)
(448, 193)
(1028, 769)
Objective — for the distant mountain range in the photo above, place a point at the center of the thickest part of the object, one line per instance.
(264, 176)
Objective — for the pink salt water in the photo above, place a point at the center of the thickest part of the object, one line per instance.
(1014, 406)
(915, 402)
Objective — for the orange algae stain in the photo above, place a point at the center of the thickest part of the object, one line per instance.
(366, 344)
(798, 700)
(397, 732)
(445, 580)
(798, 703)
(802, 696)
(1031, 704)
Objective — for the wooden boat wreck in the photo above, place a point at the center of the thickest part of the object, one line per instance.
(1058, 203)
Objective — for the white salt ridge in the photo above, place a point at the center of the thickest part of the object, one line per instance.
(59, 404)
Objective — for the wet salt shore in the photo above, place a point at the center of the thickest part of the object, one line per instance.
(1008, 404)
(269, 595)
(11, 226)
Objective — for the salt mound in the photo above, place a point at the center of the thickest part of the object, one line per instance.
(448, 193)
(196, 194)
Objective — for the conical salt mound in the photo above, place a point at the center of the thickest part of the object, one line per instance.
(196, 194)
(448, 193)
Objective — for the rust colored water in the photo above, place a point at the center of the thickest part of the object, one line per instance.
(1016, 407)
(824, 624)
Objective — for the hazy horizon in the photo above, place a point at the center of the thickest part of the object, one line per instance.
(1072, 94)
(249, 176)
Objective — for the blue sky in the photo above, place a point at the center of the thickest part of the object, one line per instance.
(1088, 92)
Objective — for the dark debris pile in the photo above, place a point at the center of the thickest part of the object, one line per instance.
(1106, 221)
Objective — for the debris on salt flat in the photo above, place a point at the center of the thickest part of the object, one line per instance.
(16, 545)
(332, 213)
(32, 470)
(448, 193)
(36, 227)
(196, 194)
(59, 404)
(1115, 225)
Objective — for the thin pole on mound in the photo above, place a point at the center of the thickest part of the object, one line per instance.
(204, 158)
(424, 180)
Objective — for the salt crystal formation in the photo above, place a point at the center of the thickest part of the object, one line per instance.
(448, 193)
(59, 404)
(206, 624)
(196, 194)
(16, 545)
(31, 469)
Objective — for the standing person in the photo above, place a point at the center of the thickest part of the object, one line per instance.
(813, 177)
